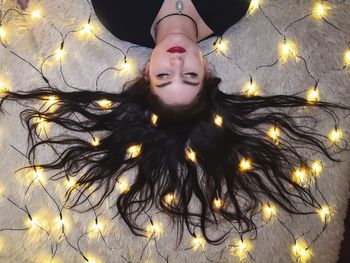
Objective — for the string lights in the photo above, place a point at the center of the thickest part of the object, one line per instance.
(301, 252)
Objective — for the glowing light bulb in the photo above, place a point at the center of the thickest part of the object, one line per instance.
(300, 176)
(154, 229)
(301, 252)
(87, 29)
(222, 45)
(316, 167)
(287, 49)
(104, 104)
(241, 248)
(134, 151)
(245, 165)
(154, 119)
(218, 120)
(52, 99)
(97, 226)
(251, 89)
(335, 135)
(92, 259)
(254, 5)
(123, 185)
(38, 173)
(218, 203)
(325, 214)
(70, 183)
(169, 198)
(269, 211)
(190, 154)
(320, 10)
(347, 57)
(59, 54)
(197, 243)
(274, 133)
(2, 32)
(40, 122)
(313, 95)
(3, 86)
(95, 141)
(36, 14)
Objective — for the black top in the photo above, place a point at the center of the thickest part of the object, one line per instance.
(131, 20)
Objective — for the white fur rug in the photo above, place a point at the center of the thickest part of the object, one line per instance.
(252, 42)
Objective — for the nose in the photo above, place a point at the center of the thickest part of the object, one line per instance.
(177, 61)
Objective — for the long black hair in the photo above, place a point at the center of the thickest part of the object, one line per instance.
(193, 152)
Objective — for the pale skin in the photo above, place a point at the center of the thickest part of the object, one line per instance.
(176, 78)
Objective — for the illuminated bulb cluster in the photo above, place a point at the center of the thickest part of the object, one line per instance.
(313, 95)
(251, 89)
(154, 230)
(335, 135)
(123, 185)
(218, 120)
(169, 198)
(301, 252)
(287, 49)
(134, 151)
(198, 243)
(274, 133)
(245, 165)
(241, 249)
(324, 213)
(190, 154)
(269, 212)
(300, 176)
(104, 104)
(154, 119)
(218, 203)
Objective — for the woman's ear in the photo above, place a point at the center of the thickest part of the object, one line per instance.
(145, 71)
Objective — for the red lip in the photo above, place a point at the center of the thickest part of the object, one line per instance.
(176, 49)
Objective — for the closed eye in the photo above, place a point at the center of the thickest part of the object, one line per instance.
(192, 74)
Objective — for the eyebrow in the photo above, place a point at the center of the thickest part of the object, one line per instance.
(184, 82)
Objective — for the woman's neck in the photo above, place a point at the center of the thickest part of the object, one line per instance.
(177, 24)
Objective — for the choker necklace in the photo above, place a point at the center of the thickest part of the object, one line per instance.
(179, 9)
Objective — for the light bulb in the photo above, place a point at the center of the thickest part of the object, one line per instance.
(169, 198)
(59, 54)
(154, 229)
(134, 151)
(36, 14)
(123, 185)
(218, 203)
(197, 243)
(245, 165)
(324, 213)
(218, 120)
(335, 135)
(300, 176)
(95, 141)
(251, 89)
(241, 248)
(316, 167)
(86, 29)
(347, 57)
(254, 5)
(190, 154)
(269, 211)
(274, 133)
(287, 49)
(154, 119)
(2, 32)
(301, 252)
(104, 104)
(313, 95)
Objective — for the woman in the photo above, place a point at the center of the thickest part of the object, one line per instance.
(187, 137)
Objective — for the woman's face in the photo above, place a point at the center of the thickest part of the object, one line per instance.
(176, 70)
